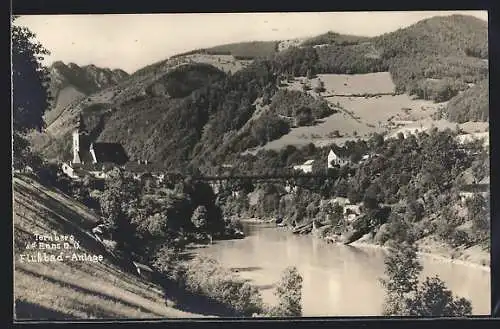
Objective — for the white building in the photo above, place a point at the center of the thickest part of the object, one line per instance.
(306, 167)
(335, 160)
(68, 170)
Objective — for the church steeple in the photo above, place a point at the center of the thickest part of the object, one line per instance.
(81, 125)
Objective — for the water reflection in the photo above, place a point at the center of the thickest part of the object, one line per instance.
(338, 280)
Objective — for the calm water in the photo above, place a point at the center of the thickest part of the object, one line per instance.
(338, 280)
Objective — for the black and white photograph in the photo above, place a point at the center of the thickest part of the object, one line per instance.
(250, 165)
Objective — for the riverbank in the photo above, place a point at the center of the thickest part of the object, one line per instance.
(473, 257)
(254, 220)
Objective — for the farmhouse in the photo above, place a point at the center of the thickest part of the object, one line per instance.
(306, 167)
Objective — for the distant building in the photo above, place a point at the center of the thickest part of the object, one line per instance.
(470, 190)
(470, 138)
(306, 167)
(335, 160)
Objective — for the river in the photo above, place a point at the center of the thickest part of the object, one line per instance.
(338, 280)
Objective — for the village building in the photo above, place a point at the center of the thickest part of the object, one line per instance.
(470, 190)
(465, 139)
(306, 167)
(335, 160)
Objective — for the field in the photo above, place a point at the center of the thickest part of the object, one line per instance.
(224, 63)
(357, 84)
(359, 116)
(73, 290)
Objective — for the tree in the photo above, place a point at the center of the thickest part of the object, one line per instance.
(199, 217)
(434, 299)
(30, 90)
(371, 197)
(406, 297)
(336, 214)
(289, 293)
(303, 116)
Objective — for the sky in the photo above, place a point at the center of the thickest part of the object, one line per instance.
(132, 41)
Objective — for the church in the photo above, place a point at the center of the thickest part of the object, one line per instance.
(92, 157)
(87, 152)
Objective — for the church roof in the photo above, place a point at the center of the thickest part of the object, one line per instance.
(85, 156)
(110, 152)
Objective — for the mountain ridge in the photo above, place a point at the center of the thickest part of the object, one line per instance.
(221, 109)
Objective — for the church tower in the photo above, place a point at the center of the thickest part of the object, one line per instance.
(81, 142)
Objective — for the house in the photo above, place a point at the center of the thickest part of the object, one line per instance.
(69, 171)
(306, 167)
(335, 161)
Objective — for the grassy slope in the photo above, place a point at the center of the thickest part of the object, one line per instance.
(73, 290)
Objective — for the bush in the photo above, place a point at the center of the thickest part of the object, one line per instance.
(167, 262)
(289, 293)
(434, 299)
(406, 297)
(208, 277)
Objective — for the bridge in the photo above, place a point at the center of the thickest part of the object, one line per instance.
(268, 177)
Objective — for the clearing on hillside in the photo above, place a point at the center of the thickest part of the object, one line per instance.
(67, 289)
(378, 110)
(358, 84)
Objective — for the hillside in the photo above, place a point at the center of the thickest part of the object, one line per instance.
(331, 37)
(204, 118)
(70, 83)
(472, 104)
(73, 290)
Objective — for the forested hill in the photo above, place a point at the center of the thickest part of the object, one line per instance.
(203, 109)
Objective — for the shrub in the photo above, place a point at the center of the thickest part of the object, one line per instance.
(167, 262)
(289, 293)
(406, 297)
(434, 299)
(206, 276)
